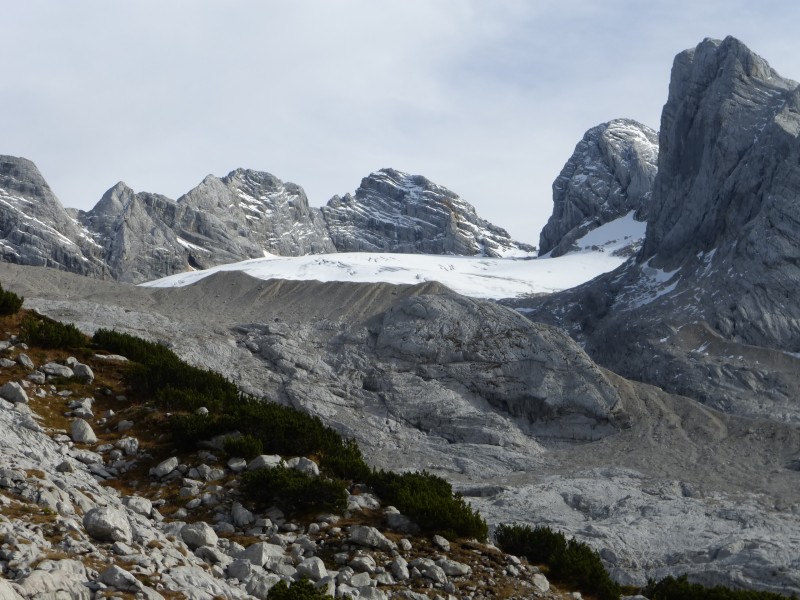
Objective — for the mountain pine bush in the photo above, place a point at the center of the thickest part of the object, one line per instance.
(429, 500)
(671, 588)
(571, 562)
(47, 333)
(266, 427)
(10, 303)
(299, 590)
(293, 491)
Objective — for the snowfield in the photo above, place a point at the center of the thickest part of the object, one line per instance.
(475, 276)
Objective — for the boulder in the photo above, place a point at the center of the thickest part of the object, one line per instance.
(260, 552)
(399, 568)
(83, 373)
(370, 537)
(241, 516)
(260, 584)
(57, 370)
(264, 461)
(139, 505)
(453, 568)
(129, 445)
(540, 583)
(14, 392)
(164, 468)
(304, 465)
(106, 524)
(53, 584)
(441, 543)
(82, 433)
(120, 579)
(25, 361)
(198, 534)
(313, 568)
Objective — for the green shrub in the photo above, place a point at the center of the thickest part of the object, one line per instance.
(132, 347)
(10, 303)
(187, 430)
(580, 565)
(161, 368)
(571, 562)
(287, 431)
(299, 590)
(187, 399)
(293, 491)
(429, 500)
(47, 333)
(245, 446)
(537, 544)
(680, 589)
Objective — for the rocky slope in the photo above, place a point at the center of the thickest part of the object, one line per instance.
(34, 227)
(609, 175)
(511, 411)
(96, 504)
(134, 237)
(397, 212)
(706, 308)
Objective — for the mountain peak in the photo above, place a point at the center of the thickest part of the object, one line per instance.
(609, 174)
(393, 211)
(716, 126)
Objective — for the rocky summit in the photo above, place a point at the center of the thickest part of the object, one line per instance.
(609, 175)
(705, 309)
(396, 212)
(134, 237)
(34, 227)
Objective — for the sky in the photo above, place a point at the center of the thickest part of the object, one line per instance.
(485, 97)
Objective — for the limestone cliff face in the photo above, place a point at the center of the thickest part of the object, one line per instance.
(134, 237)
(397, 212)
(240, 216)
(708, 308)
(250, 212)
(136, 233)
(609, 174)
(727, 210)
(34, 227)
(728, 161)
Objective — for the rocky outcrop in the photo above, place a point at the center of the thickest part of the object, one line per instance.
(251, 212)
(34, 227)
(240, 216)
(609, 174)
(706, 309)
(397, 212)
(69, 533)
(134, 237)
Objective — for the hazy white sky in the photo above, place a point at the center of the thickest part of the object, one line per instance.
(486, 97)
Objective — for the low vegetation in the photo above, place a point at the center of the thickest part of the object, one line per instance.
(429, 500)
(569, 561)
(299, 590)
(10, 303)
(44, 332)
(294, 492)
(680, 589)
